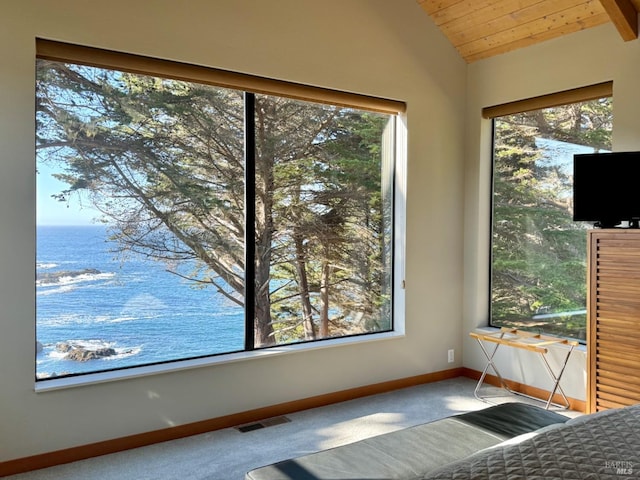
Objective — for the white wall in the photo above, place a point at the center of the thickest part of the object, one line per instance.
(584, 58)
(376, 47)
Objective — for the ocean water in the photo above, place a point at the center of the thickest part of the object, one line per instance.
(86, 296)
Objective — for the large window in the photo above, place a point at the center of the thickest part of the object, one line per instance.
(538, 270)
(181, 218)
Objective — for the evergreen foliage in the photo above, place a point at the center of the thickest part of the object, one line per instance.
(538, 252)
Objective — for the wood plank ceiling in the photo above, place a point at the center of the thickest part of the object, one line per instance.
(483, 28)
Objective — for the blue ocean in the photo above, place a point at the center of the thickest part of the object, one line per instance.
(87, 296)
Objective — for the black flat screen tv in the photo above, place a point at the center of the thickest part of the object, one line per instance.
(606, 188)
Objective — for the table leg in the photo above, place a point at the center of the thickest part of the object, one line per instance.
(556, 379)
(490, 363)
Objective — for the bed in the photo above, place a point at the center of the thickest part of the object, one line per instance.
(605, 445)
(508, 441)
(414, 451)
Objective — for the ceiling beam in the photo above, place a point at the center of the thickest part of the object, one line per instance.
(624, 16)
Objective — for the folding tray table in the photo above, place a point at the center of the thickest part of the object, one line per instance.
(532, 342)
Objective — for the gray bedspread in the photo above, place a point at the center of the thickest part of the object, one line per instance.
(601, 446)
(410, 453)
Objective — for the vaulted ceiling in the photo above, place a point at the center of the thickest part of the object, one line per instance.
(483, 28)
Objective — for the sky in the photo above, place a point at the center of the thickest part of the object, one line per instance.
(50, 211)
(561, 153)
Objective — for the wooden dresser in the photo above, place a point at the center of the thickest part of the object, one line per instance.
(613, 304)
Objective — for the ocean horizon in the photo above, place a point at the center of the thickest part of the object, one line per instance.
(88, 297)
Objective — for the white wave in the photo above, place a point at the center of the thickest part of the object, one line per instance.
(225, 313)
(83, 319)
(123, 352)
(122, 319)
(46, 266)
(110, 319)
(59, 320)
(56, 355)
(76, 279)
(92, 344)
(53, 291)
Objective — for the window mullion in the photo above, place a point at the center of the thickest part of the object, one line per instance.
(250, 210)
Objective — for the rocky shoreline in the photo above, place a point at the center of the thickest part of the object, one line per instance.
(83, 354)
(80, 353)
(55, 277)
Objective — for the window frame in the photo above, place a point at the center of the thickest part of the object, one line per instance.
(251, 85)
(143, 65)
(565, 97)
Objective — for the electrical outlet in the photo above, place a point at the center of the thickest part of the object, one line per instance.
(450, 356)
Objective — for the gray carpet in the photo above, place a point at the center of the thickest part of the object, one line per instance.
(228, 454)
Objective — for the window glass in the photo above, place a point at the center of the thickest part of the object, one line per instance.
(141, 220)
(323, 217)
(538, 274)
